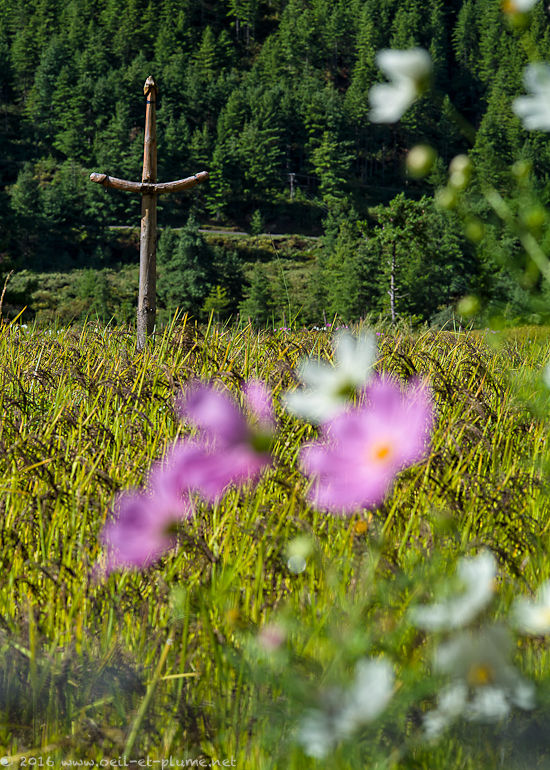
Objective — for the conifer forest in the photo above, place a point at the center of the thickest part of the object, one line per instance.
(270, 97)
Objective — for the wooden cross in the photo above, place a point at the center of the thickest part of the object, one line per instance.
(149, 188)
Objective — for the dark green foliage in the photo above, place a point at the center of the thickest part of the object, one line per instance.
(408, 259)
(194, 276)
(258, 305)
(251, 90)
(272, 99)
(184, 269)
(94, 288)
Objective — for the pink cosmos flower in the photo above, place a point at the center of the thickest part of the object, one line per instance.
(362, 449)
(230, 449)
(143, 529)
(184, 469)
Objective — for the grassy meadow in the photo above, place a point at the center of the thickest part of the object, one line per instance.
(165, 662)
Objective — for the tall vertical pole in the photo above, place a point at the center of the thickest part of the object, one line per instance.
(148, 240)
(148, 188)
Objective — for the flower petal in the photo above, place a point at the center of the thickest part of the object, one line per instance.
(140, 534)
(259, 401)
(215, 413)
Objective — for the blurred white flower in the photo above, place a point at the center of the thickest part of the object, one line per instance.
(524, 5)
(518, 6)
(369, 695)
(450, 705)
(409, 74)
(344, 712)
(534, 110)
(534, 617)
(328, 389)
(485, 686)
(477, 575)
(317, 734)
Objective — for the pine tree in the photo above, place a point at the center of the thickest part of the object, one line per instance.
(258, 305)
(54, 60)
(93, 287)
(331, 162)
(184, 272)
(245, 13)
(26, 205)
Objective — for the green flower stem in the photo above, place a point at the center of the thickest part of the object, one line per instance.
(147, 697)
(533, 249)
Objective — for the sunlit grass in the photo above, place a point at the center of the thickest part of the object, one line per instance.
(86, 669)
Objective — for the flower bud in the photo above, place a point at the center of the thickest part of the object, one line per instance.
(420, 160)
(446, 198)
(521, 170)
(297, 552)
(534, 217)
(468, 306)
(460, 172)
(474, 230)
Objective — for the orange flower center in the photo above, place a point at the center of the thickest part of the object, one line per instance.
(480, 675)
(381, 452)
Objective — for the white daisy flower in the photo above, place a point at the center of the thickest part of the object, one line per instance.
(345, 712)
(534, 110)
(534, 617)
(409, 74)
(477, 575)
(485, 686)
(328, 389)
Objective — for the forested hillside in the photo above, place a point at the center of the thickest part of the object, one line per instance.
(272, 99)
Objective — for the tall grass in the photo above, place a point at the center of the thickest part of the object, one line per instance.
(148, 663)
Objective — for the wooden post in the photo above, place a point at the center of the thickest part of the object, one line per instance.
(147, 297)
(149, 189)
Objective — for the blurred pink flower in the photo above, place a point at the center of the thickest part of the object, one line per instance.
(362, 449)
(271, 637)
(185, 468)
(230, 449)
(143, 528)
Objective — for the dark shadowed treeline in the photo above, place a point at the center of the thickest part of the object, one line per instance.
(270, 97)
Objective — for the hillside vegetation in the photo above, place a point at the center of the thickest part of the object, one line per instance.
(271, 97)
(157, 663)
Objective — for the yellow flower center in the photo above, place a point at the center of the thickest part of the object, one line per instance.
(480, 675)
(362, 525)
(380, 452)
